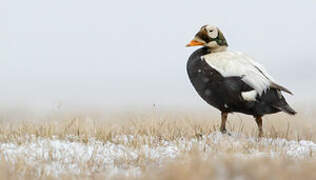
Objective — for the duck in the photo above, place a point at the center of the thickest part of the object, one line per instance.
(232, 81)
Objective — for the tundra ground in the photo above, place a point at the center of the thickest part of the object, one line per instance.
(155, 145)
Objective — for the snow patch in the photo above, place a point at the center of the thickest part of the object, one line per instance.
(52, 156)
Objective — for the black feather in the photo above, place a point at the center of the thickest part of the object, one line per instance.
(224, 93)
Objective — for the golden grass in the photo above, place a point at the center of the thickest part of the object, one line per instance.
(168, 126)
(193, 168)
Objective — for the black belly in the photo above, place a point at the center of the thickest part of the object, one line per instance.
(224, 93)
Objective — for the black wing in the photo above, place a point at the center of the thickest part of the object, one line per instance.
(270, 101)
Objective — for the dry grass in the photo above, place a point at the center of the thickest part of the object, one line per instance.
(16, 127)
(234, 168)
(167, 125)
(193, 167)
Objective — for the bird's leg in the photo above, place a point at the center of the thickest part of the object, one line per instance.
(224, 119)
(259, 123)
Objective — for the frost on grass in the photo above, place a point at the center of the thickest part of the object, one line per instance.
(128, 155)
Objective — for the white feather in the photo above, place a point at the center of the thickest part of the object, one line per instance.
(212, 31)
(230, 63)
(249, 95)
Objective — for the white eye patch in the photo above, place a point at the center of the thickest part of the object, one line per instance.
(212, 31)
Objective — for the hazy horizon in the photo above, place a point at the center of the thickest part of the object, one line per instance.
(132, 53)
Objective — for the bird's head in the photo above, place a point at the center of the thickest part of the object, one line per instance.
(209, 36)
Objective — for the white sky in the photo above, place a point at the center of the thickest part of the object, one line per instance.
(118, 53)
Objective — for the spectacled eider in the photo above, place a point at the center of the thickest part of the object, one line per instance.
(232, 81)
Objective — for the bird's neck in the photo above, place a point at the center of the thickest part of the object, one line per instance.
(218, 49)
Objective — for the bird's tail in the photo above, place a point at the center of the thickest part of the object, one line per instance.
(287, 109)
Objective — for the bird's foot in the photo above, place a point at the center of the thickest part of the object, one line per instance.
(224, 131)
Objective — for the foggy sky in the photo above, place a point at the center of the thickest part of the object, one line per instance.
(117, 53)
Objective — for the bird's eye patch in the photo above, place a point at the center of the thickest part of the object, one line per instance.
(211, 30)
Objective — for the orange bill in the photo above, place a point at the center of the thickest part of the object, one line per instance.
(194, 43)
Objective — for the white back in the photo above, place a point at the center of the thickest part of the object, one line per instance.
(230, 63)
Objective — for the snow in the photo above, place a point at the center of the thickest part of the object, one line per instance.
(121, 156)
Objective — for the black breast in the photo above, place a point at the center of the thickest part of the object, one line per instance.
(205, 79)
